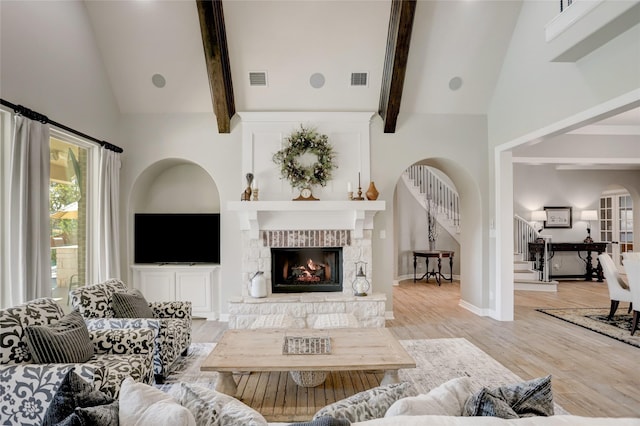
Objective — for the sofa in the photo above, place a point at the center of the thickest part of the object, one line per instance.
(189, 404)
(171, 320)
(27, 387)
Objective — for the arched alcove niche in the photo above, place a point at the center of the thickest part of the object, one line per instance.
(175, 186)
(469, 255)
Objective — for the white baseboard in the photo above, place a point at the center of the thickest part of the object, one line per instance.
(388, 315)
(224, 318)
(474, 309)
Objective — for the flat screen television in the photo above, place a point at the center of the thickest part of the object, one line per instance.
(177, 238)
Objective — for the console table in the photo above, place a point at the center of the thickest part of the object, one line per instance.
(438, 254)
(536, 253)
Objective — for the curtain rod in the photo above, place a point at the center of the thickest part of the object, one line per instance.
(19, 109)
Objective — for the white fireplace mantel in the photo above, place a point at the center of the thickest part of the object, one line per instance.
(297, 215)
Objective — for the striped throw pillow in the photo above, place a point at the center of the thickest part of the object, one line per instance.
(131, 304)
(65, 341)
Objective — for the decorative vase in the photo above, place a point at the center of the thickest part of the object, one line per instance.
(372, 192)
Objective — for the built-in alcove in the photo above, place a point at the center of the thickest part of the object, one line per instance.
(174, 186)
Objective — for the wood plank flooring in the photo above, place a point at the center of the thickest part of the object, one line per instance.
(593, 375)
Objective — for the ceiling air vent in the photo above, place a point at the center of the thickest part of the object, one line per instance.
(359, 79)
(258, 78)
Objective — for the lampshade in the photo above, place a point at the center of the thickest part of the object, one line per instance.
(539, 216)
(589, 215)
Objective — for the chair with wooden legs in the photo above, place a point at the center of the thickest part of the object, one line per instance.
(632, 266)
(618, 289)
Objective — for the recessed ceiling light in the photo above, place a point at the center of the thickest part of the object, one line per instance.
(158, 80)
(316, 80)
(455, 83)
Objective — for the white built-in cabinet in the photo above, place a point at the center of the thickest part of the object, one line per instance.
(195, 283)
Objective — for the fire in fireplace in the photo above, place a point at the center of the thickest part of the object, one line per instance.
(297, 270)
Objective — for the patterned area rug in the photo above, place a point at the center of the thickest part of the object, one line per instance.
(437, 360)
(595, 319)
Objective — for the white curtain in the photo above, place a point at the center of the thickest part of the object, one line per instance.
(108, 256)
(29, 239)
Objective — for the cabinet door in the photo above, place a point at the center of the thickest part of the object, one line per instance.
(157, 286)
(195, 286)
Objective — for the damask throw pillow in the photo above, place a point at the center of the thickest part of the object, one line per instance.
(367, 405)
(62, 342)
(130, 304)
(525, 399)
(448, 399)
(212, 408)
(73, 392)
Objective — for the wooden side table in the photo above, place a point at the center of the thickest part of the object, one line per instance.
(437, 254)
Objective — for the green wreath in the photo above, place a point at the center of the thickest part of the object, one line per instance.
(298, 143)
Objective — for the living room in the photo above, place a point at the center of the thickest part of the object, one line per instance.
(69, 70)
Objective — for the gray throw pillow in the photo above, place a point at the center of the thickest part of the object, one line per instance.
(525, 399)
(99, 415)
(73, 392)
(64, 342)
(130, 304)
(324, 421)
(367, 405)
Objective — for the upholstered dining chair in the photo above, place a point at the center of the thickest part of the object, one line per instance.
(632, 266)
(618, 289)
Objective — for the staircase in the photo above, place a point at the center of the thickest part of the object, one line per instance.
(420, 181)
(525, 276)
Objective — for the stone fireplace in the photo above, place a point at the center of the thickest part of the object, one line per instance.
(335, 230)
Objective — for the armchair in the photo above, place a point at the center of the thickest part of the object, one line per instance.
(618, 289)
(171, 320)
(27, 388)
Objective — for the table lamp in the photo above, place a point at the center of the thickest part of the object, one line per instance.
(588, 216)
(538, 217)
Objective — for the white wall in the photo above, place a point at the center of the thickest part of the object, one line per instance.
(456, 145)
(533, 92)
(49, 63)
(157, 143)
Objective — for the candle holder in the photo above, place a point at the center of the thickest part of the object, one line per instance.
(350, 195)
(359, 197)
(254, 194)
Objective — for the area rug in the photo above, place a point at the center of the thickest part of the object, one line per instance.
(437, 361)
(595, 319)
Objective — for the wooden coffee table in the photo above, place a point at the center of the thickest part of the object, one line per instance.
(262, 350)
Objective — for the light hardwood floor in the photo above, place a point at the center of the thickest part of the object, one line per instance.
(593, 375)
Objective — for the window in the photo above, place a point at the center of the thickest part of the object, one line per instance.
(68, 213)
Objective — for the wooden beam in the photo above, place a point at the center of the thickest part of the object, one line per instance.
(214, 41)
(395, 62)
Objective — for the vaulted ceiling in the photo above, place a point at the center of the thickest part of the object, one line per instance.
(307, 51)
(457, 48)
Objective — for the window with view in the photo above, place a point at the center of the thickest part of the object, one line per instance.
(68, 213)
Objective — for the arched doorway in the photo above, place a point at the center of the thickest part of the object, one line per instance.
(470, 244)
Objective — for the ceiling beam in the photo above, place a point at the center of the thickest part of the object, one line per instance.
(214, 41)
(395, 61)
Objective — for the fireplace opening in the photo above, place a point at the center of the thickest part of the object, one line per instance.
(298, 270)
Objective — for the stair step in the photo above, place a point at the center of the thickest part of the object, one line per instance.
(526, 275)
(535, 285)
